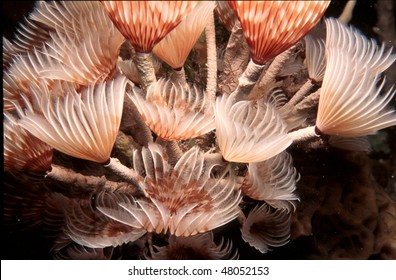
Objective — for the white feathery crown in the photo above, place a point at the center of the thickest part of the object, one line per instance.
(351, 103)
(81, 126)
(265, 228)
(273, 181)
(174, 112)
(183, 200)
(249, 131)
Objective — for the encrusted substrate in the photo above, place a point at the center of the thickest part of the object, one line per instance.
(343, 209)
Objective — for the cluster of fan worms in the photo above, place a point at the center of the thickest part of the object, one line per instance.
(80, 77)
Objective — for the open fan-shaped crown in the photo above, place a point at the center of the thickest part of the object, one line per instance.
(81, 127)
(265, 228)
(351, 103)
(145, 23)
(249, 131)
(44, 19)
(87, 226)
(273, 181)
(271, 27)
(174, 112)
(183, 200)
(23, 74)
(86, 53)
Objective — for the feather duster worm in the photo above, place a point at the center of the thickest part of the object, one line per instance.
(174, 112)
(44, 19)
(22, 75)
(249, 131)
(273, 181)
(175, 47)
(265, 228)
(145, 23)
(74, 49)
(350, 102)
(183, 200)
(85, 54)
(81, 127)
(77, 50)
(271, 27)
(88, 227)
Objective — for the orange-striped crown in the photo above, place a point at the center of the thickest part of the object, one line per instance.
(271, 27)
(145, 23)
